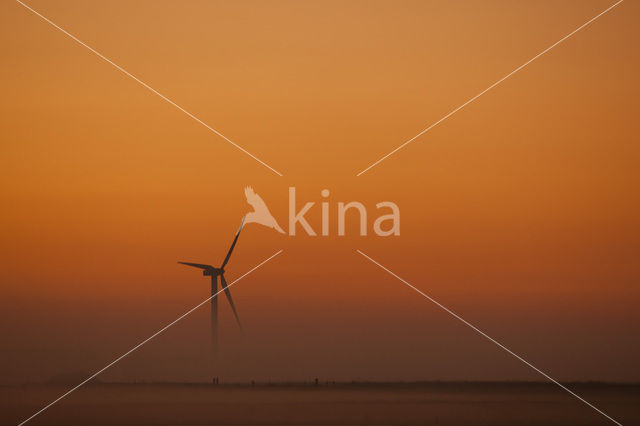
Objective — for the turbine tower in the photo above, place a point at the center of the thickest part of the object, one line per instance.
(214, 273)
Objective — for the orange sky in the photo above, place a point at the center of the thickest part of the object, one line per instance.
(521, 212)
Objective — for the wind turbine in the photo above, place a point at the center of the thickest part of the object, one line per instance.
(214, 273)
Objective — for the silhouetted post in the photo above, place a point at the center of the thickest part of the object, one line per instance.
(316, 381)
(214, 315)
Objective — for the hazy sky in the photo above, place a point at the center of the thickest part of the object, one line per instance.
(521, 212)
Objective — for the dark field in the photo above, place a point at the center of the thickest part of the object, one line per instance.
(326, 404)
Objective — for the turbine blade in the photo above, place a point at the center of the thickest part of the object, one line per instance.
(197, 265)
(228, 293)
(226, 259)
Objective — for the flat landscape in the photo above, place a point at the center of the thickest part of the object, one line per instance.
(431, 403)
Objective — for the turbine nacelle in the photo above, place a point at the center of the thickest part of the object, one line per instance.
(213, 272)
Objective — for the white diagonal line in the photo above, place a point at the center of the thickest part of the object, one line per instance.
(491, 87)
(482, 333)
(146, 340)
(127, 73)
